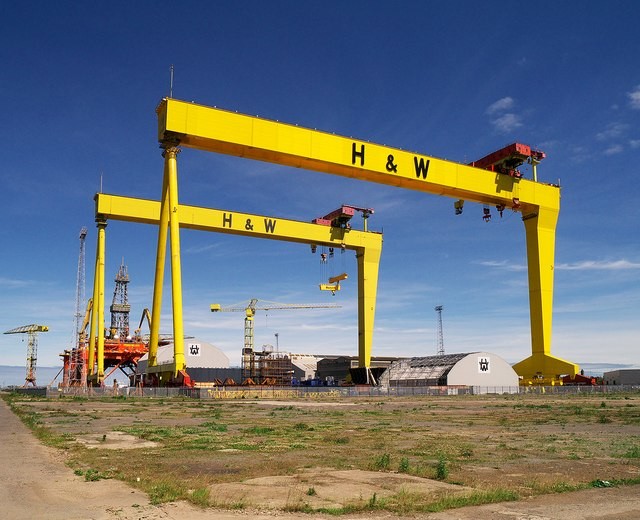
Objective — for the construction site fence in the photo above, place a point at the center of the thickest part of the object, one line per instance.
(324, 392)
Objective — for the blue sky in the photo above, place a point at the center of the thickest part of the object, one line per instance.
(80, 82)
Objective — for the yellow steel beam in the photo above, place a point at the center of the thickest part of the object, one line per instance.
(367, 245)
(220, 131)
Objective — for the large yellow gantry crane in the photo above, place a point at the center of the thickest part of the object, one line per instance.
(367, 246)
(211, 129)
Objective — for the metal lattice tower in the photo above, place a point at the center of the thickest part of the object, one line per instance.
(77, 375)
(120, 305)
(440, 352)
(32, 349)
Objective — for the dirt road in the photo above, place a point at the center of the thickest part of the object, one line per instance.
(36, 484)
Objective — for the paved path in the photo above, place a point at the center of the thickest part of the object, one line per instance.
(36, 484)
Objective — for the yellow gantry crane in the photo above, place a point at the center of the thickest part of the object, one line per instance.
(32, 348)
(491, 181)
(248, 351)
(366, 244)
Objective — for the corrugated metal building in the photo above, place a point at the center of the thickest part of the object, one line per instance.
(622, 377)
(339, 368)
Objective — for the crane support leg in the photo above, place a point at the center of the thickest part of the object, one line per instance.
(161, 253)
(368, 262)
(96, 376)
(169, 214)
(540, 230)
(93, 328)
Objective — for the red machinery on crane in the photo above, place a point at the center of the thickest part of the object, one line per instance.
(507, 160)
(339, 218)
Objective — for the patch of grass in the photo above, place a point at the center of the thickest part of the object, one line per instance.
(200, 497)
(260, 430)
(403, 467)
(311, 492)
(477, 498)
(214, 426)
(382, 462)
(633, 452)
(442, 469)
(92, 475)
(165, 491)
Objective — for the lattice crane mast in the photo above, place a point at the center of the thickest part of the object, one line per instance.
(77, 365)
(32, 348)
(438, 310)
(248, 356)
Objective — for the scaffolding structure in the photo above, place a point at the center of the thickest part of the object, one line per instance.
(269, 367)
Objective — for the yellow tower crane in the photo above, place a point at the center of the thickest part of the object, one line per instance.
(248, 352)
(32, 348)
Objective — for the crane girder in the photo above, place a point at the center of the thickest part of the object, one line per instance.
(146, 211)
(216, 130)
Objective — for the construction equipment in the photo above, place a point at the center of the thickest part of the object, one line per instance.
(339, 218)
(116, 349)
(75, 359)
(367, 246)
(248, 352)
(182, 123)
(507, 160)
(145, 314)
(32, 348)
(120, 307)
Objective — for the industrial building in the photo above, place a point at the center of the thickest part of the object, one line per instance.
(206, 362)
(478, 369)
(338, 369)
(622, 377)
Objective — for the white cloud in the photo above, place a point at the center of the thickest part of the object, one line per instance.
(634, 98)
(501, 105)
(590, 265)
(13, 283)
(503, 264)
(634, 143)
(507, 122)
(614, 149)
(585, 265)
(612, 131)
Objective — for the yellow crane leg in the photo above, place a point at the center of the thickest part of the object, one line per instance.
(176, 271)
(94, 317)
(96, 376)
(169, 215)
(161, 254)
(540, 230)
(368, 262)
